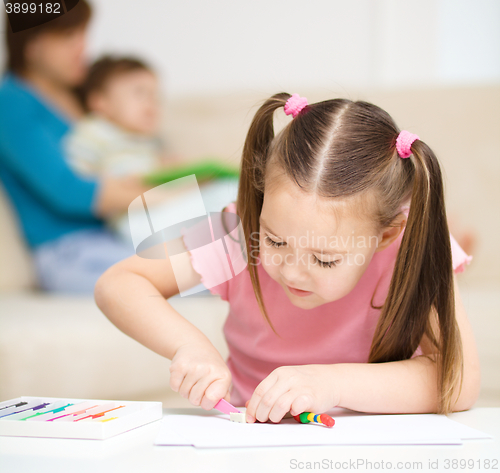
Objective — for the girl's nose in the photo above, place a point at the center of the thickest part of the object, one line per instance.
(293, 268)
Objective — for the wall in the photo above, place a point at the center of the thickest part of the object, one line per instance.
(271, 45)
(223, 45)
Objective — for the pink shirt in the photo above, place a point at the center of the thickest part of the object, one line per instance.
(336, 332)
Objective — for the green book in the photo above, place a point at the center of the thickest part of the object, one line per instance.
(205, 169)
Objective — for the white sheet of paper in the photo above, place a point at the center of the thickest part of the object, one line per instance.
(402, 429)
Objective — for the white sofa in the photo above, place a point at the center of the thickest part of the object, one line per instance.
(63, 346)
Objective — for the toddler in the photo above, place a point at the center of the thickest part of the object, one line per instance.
(338, 266)
(119, 135)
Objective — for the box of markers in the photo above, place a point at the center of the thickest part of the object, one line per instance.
(74, 418)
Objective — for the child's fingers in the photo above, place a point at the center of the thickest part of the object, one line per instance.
(188, 382)
(257, 395)
(214, 393)
(302, 403)
(198, 390)
(281, 406)
(196, 372)
(269, 400)
(176, 379)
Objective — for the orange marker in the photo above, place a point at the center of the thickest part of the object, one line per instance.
(100, 414)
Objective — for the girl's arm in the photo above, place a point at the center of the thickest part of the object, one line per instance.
(133, 295)
(408, 386)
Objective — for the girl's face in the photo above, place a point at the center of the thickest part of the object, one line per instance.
(303, 245)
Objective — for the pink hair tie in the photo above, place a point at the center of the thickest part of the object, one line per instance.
(403, 143)
(295, 104)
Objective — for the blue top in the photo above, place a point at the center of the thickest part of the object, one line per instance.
(50, 199)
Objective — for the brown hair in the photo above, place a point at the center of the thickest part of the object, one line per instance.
(105, 69)
(346, 150)
(77, 17)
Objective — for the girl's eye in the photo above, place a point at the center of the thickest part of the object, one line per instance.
(323, 264)
(273, 243)
(326, 264)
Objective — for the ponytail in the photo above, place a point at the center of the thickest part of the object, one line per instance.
(251, 184)
(422, 284)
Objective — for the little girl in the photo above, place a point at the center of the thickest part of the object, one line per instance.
(347, 295)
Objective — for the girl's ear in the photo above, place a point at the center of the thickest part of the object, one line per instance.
(389, 234)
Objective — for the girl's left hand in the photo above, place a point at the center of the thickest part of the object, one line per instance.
(307, 388)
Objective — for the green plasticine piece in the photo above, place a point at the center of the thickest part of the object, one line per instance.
(303, 418)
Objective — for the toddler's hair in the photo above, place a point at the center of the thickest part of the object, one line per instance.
(346, 150)
(105, 69)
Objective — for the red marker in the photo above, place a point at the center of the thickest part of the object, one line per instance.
(307, 417)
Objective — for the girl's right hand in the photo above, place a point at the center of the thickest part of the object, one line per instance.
(199, 373)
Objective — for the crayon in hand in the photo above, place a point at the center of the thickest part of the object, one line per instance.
(307, 417)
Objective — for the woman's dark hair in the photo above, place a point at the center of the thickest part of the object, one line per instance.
(346, 150)
(105, 69)
(77, 17)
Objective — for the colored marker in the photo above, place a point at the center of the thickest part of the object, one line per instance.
(225, 407)
(19, 404)
(307, 417)
(73, 413)
(41, 406)
(53, 411)
(107, 420)
(99, 414)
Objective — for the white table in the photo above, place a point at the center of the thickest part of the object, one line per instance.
(134, 452)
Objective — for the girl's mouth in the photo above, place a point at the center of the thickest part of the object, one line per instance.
(299, 292)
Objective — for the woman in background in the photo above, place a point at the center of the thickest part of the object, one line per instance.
(60, 212)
